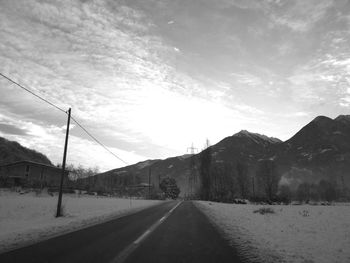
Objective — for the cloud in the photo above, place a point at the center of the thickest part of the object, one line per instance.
(148, 79)
(247, 78)
(299, 15)
(80, 150)
(11, 129)
(326, 78)
(345, 102)
(249, 109)
(100, 59)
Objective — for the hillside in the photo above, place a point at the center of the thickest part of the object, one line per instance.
(241, 147)
(11, 151)
(320, 150)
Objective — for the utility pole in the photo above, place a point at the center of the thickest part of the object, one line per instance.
(58, 213)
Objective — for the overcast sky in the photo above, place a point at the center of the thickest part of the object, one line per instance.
(149, 77)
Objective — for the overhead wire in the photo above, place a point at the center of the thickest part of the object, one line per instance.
(97, 141)
(31, 92)
(62, 110)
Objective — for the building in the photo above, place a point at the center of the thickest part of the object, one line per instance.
(31, 174)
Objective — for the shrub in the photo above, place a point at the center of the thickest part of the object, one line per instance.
(304, 213)
(169, 187)
(265, 210)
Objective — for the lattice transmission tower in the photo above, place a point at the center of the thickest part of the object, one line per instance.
(192, 177)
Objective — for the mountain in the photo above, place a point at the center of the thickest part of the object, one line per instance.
(240, 147)
(320, 150)
(243, 146)
(11, 151)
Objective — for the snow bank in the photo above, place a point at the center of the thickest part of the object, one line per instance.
(28, 218)
(302, 233)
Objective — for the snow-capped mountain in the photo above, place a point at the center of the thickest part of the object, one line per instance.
(321, 149)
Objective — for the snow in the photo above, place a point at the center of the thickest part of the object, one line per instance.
(302, 233)
(326, 150)
(185, 156)
(25, 219)
(272, 158)
(307, 155)
(256, 137)
(144, 164)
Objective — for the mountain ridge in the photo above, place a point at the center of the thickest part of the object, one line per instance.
(320, 144)
(12, 151)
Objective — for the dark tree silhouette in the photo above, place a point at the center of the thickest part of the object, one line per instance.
(222, 183)
(327, 190)
(285, 194)
(303, 192)
(267, 174)
(204, 169)
(242, 179)
(169, 187)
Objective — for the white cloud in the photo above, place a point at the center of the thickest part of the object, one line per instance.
(247, 78)
(345, 102)
(80, 151)
(135, 83)
(300, 15)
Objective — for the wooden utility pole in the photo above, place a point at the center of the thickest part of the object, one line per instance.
(58, 213)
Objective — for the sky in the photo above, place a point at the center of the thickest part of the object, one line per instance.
(150, 77)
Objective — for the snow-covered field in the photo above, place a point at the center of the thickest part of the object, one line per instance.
(302, 233)
(27, 218)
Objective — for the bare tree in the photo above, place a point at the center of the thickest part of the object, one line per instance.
(267, 174)
(205, 167)
(242, 179)
(222, 186)
(327, 190)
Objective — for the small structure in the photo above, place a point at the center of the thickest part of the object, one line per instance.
(31, 174)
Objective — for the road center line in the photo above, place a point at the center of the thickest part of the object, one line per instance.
(122, 256)
(142, 237)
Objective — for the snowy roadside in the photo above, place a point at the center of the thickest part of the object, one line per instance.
(26, 219)
(301, 233)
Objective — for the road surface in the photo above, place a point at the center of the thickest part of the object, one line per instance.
(169, 232)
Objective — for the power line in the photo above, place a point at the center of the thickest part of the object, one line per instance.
(62, 110)
(39, 97)
(97, 141)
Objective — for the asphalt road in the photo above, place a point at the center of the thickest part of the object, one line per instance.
(151, 235)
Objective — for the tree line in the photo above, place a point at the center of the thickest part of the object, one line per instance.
(225, 182)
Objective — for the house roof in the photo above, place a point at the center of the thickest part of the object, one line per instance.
(25, 162)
